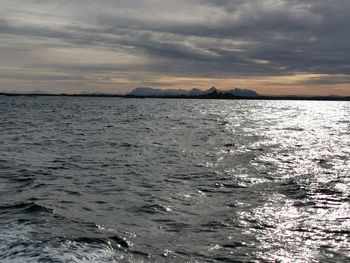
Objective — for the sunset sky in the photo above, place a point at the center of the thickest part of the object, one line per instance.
(271, 46)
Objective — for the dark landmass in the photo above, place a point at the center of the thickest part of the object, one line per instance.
(16, 94)
(147, 91)
(214, 95)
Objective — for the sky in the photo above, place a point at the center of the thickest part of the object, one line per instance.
(272, 46)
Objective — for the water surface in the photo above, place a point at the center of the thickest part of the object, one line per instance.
(157, 180)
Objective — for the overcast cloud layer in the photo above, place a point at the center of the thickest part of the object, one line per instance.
(274, 46)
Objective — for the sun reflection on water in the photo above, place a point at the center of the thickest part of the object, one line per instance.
(305, 149)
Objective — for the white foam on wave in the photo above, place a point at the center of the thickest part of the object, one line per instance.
(18, 245)
(71, 251)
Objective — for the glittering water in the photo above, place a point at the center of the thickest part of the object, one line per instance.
(105, 179)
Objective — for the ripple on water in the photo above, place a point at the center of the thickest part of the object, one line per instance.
(173, 180)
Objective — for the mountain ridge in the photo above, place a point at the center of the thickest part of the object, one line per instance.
(147, 91)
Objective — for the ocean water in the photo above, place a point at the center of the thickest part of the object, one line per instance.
(157, 180)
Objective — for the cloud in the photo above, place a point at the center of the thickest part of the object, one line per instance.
(326, 80)
(192, 38)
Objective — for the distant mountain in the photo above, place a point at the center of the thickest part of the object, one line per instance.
(147, 91)
(198, 92)
(242, 92)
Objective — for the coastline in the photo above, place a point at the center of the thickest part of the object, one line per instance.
(218, 96)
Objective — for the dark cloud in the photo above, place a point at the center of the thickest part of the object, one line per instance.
(198, 38)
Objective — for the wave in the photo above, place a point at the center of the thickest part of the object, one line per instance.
(26, 207)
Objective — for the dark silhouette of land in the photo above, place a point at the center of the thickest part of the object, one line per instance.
(214, 95)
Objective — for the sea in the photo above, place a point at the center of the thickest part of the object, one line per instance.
(87, 179)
